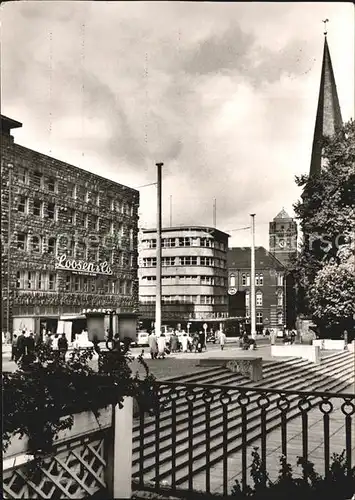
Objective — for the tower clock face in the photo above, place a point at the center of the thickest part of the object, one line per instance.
(282, 243)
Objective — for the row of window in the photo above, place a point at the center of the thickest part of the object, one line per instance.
(259, 280)
(187, 280)
(259, 317)
(38, 180)
(185, 299)
(185, 261)
(47, 281)
(78, 250)
(185, 242)
(39, 208)
(259, 298)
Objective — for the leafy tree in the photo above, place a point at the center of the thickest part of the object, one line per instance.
(327, 215)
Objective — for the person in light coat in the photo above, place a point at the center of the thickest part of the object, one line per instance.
(184, 342)
(153, 345)
(222, 339)
(161, 346)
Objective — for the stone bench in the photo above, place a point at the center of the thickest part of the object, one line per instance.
(250, 367)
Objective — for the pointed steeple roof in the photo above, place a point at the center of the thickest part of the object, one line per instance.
(328, 120)
(282, 215)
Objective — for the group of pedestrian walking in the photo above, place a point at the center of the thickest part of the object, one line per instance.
(25, 341)
(179, 342)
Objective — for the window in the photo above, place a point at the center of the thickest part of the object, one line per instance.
(280, 280)
(80, 251)
(52, 245)
(21, 241)
(93, 285)
(118, 206)
(51, 211)
(206, 242)
(22, 175)
(122, 287)
(245, 280)
(232, 280)
(41, 281)
(51, 282)
(168, 242)
(131, 239)
(29, 280)
(19, 279)
(37, 179)
(70, 248)
(111, 203)
(259, 299)
(152, 278)
(37, 208)
(87, 196)
(168, 261)
(112, 227)
(68, 283)
(73, 190)
(206, 299)
(259, 280)
(149, 243)
(247, 299)
(85, 285)
(71, 216)
(51, 184)
(97, 227)
(149, 261)
(280, 297)
(76, 283)
(207, 280)
(259, 318)
(22, 204)
(188, 261)
(92, 255)
(184, 242)
(35, 244)
(279, 318)
(206, 261)
(96, 199)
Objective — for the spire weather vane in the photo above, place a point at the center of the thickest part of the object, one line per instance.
(325, 25)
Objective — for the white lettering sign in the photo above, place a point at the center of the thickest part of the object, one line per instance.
(80, 266)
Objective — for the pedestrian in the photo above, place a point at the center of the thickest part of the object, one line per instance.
(161, 346)
(48, 340)
(201, 339)
(293, 336)
(222, 339)
(184, 342)
(8, 338)
(28, 350)
(95, 341)
(55, 347)
(153, 345)
(346, 335)
(19, 346)
(174, 342)
(62, 346)
(14, 347)
(272, 336)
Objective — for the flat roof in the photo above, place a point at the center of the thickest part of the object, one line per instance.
(9, 123)
(187, 228)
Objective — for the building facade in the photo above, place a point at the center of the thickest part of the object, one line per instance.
(283, 237)
(194, 274)
(69, 242)
(270, 287)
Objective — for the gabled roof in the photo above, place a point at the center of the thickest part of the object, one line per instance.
(328, 120)
(282, 215)
(240, 258)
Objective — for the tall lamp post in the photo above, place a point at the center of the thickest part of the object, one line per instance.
(158, 274)
(9, 250)
(252, 279)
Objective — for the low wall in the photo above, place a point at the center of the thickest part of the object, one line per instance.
(329, 344)
(117, 447)
(250, 367)
(309, 352)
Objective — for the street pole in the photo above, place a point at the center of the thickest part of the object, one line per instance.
(252, 279)
(9, 249)
(158, 274)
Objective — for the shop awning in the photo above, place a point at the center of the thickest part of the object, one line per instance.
(71, 317)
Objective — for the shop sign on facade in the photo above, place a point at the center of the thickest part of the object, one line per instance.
(82, 267)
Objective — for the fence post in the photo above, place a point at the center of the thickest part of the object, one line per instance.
(122, 449)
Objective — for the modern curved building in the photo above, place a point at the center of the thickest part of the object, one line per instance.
(194, 274)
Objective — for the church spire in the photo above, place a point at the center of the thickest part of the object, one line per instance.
(328, 120)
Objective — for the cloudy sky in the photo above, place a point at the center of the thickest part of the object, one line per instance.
(224, 94)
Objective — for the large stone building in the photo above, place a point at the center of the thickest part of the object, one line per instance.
(270, 287)
(194, 274)
(283, 237)
(69, 243)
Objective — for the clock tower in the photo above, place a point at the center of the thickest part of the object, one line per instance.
(283, 237)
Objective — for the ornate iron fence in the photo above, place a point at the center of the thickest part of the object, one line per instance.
(200, 427)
